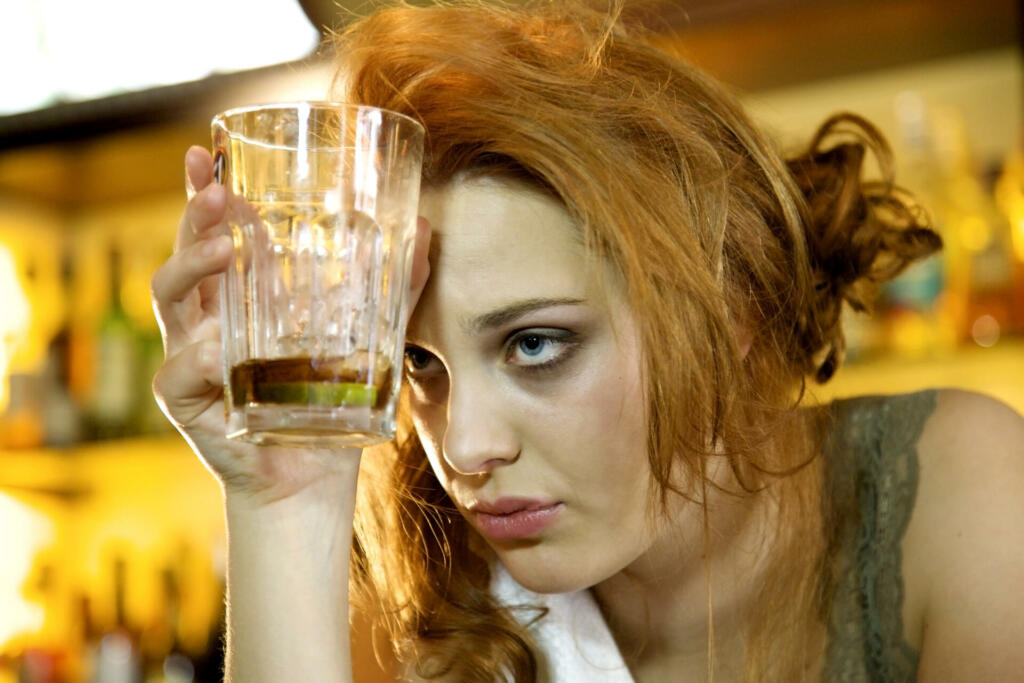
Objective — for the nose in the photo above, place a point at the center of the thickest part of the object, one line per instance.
(479, 436)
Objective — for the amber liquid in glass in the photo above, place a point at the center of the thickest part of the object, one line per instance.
(355, 380)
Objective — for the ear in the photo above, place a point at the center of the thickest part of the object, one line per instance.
(744, 337)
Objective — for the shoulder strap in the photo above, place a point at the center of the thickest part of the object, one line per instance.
(872, 459)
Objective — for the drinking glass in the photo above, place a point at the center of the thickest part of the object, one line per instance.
(322, 208)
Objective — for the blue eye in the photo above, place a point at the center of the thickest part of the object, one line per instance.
(539, 350)
(532, 345)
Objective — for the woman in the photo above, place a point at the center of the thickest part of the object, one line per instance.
(605, 471)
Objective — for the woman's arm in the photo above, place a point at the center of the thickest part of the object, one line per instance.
(287, 609)
(965, 543)
(289, 510)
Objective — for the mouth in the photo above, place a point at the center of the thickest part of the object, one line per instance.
(509, 519)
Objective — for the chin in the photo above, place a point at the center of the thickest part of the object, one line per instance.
(540, 574)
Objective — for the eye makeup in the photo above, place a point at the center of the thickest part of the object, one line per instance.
(535, 349)
(540, 349)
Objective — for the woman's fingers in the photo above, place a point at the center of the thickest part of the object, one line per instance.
(198, 170)
(207, 200)
(182, 272)
(176, 287)
(189, 382)
(205, 210)
(420, 262)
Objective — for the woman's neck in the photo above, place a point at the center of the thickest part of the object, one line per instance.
(658, 608)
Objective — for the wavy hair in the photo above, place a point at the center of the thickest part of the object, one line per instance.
(708, 228)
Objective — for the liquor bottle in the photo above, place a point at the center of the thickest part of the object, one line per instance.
(61, 419)
(40, 666)
(916, 307)
(166, 660)
(979, 235)
(114, 391)
(118, 659)
(89, 635)
(21, 426)
(21, 418)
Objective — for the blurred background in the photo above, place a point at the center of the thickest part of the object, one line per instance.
(111, 532)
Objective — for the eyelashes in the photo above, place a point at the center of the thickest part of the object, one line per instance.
(539, 350)
(418, 360)
(534, 350)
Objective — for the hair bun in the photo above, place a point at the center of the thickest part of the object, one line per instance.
(859, 234)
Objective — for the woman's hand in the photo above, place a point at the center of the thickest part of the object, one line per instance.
(189, 385)
(289, 511)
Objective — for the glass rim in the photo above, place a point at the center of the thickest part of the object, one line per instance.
(221, 117)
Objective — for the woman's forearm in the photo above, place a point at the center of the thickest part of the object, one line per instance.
(287, 577)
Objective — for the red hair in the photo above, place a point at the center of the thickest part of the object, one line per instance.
(706, 227)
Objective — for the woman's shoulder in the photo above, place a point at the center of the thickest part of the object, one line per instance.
(964, 547)
(946, 427)
(969, 419)
(947, 413)
(874, 436)
(971, 455)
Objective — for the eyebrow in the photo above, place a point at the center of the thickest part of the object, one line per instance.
(507, 314)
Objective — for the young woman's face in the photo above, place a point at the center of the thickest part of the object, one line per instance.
(526, 392)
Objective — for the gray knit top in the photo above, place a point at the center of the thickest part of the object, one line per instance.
(872, 475)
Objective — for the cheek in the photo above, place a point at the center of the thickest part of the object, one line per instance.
(606, 400)
(611, 430)
(613, 414)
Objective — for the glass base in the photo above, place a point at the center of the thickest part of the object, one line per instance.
(303, 426)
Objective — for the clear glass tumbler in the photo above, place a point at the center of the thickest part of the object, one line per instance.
(322, 210)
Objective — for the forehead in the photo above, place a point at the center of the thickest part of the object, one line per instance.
(494, 239)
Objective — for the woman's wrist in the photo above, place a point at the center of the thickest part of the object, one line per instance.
(326, 479)
(328, 500)
(310, 528)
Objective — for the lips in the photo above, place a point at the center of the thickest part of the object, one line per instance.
(514, 518)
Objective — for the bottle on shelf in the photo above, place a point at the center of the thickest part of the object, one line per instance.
(21, 401)
(118, 658)
(165, 657)
(114, 400)
(978, 239)
(916, 307)
(61, 415)
(21, 425)
(40, 666)
(61, 419)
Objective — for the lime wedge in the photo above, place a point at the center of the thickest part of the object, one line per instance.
(318, 393)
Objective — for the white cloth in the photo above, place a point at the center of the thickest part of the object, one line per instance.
(573, 636)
